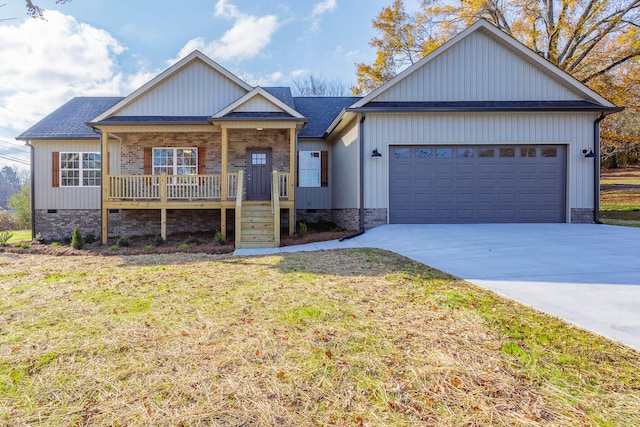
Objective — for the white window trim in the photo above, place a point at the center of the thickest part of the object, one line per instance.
(301, 169)
(80, 169)
(175, 159)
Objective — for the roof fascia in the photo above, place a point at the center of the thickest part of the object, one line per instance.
(254, 93)
(196, 54)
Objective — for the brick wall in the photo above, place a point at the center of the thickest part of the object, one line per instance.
(60, 223)
(581, 216)
(349, 219)
(143, 222)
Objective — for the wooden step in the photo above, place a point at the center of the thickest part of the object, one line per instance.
(257, 225)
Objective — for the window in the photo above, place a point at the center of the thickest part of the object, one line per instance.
(465, 153)
(175, 161)
(402, 153)
(507, 152)
(549, 152)
(80, 170)
(313, 169)
(527, 151)
(444, 153)
(485, 152)
(423, 153)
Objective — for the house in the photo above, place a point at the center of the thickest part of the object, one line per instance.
(480, 130)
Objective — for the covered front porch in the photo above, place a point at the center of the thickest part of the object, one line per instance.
(242, 167)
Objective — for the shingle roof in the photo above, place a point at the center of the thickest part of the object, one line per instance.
(69, 121)
(282, 93)
(321, 111)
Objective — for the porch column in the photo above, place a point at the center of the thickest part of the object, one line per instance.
(292, 178)
(104, 150)
(163, 223)
(224, 182)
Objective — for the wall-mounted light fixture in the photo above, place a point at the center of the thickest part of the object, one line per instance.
(588, 154)
(258, 128)
(376, 153)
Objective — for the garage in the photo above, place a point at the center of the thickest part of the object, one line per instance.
(477, 184)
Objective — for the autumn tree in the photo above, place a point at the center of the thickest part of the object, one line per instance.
(596, 41)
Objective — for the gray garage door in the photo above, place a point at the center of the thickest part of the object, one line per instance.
(469, 184)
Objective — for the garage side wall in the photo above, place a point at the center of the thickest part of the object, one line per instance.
(573, 129)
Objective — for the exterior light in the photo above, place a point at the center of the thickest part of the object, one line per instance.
(588, 154)
(376, 153)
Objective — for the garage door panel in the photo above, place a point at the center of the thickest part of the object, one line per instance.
(458, 184)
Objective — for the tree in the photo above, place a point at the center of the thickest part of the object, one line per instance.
(21, 204)
(36, 11)
(314, 85)
(10, 183)
(596, 41)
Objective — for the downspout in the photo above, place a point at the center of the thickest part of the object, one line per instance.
(361, 202)
(596, 169)
(33, 189)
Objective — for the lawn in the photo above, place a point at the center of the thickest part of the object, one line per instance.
(620, 196)
(347, 338)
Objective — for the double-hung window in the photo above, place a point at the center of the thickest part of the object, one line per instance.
(80, 169)
(175, 161)
(313, 169)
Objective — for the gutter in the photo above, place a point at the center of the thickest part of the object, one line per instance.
(33, 189)
(361, 203)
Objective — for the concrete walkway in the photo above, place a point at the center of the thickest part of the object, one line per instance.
(586, 274)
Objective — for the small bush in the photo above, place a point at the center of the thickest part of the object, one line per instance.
(157, 240)
(76, 240)
(114, 248)
(124, 241)
(219, 238)
(90, 237)
(39, 238)
(183, 246)
(149, 248)
(56, 245)
(302, 229)
(4, 237)
(192, 240)
(22, 245)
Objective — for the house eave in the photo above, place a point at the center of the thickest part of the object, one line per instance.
(483, 109)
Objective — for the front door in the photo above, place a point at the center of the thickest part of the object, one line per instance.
(258, 174)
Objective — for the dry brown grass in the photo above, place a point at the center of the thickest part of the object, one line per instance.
(353, 338)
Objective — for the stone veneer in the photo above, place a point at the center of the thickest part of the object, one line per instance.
(582, 216)
(349, 219)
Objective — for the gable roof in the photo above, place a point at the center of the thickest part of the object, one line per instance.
(257, 93)
(321, 111)
(171, 71)
(505, 39)
(283, 93)
(69, 121)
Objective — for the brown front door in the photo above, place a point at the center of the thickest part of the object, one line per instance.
(258, 173)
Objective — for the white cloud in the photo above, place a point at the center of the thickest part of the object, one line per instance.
(320, 9)
(45, 63)
(246, 38)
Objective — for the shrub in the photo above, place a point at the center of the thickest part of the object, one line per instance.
(183, 246)
(114, 248)
(90, 237)
(55, 245)
(124, 241)
(22, 245)
(39, 238)
(192, 240)
(219, 238)
(7, 222)
(157, 240)
(302, 229)
(21, 204)
(4, 237)
(149, 248)
(76, 240)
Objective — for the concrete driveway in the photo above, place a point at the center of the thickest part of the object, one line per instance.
(586, 274)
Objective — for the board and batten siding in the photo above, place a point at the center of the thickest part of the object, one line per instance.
(573, 129)
(196, 90)
(478, 69)
(315, 197)
(258, 103)
(48, 197)
(345, 168)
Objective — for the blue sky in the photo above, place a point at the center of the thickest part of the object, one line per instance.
(111, 47)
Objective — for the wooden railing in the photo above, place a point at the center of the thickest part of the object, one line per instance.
(276, 191)
(283, 184)
(232, 185)
(238, 194)
(164, 187)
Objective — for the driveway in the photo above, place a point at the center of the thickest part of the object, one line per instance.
(586, 274)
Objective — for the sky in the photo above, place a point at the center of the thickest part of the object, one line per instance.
(112, 47)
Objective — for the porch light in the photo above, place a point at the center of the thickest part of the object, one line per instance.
(588, 154)
(258, 128)
(376, 153)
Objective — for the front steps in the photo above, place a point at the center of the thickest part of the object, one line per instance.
(257, 227)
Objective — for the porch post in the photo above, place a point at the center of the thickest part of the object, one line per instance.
(224, 182)
(292, 178)
(163, 223)
(104, 160)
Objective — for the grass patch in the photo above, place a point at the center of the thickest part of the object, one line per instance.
(19, 236)
(356, 337)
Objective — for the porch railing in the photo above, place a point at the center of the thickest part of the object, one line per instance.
(164, 187)
(232, 185)
(283, 185)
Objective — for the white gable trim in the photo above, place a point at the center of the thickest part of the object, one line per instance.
(195, 55)
(258, 91)
(507, 39)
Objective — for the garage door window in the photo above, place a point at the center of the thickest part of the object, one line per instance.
(402, 153)
(465, 153)
(527, 152)
(549, 152)
(444, 153)
(485, 152)
(423, 153)
(507, 152)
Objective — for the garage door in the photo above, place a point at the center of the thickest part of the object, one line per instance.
(469, 184)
